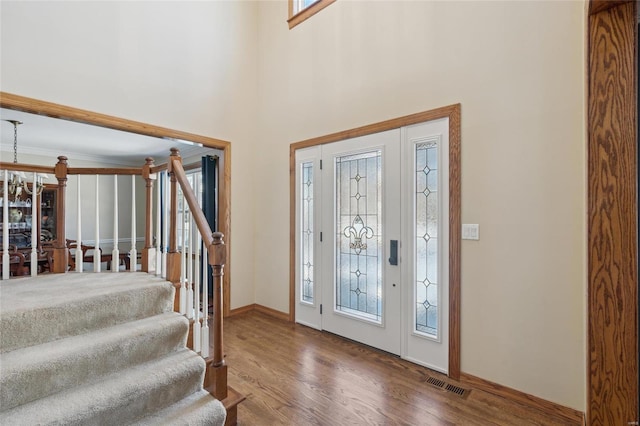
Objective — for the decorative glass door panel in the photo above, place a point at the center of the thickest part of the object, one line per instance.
(361, 214)
(306, 233)
(426, 235)
(359, 235)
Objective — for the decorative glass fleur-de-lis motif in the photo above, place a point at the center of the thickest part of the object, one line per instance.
(357, 231)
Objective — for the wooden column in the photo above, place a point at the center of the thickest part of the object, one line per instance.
(148, 242)
(173, 256)
(612, 215)
(60, 252)
(216, 377)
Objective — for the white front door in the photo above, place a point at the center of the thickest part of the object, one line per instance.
(361, 215)
(370, 253)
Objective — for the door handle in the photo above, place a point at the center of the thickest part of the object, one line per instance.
(393, 252)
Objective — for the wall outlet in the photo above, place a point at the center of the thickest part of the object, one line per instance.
(470, 231)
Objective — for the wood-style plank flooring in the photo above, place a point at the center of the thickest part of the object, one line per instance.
(295, 375)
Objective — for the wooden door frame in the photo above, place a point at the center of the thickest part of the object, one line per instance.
(452, 112)
(612, 214)
(49, 109)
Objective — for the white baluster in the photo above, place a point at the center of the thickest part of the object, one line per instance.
(134, 253)
(165, 224)
(97, 259)
(189, 265)
(151, 254)
(197, 328)
(158, 241)
(5, 227)
(115, 253)
(183, 263)
(205, 303)
(79, 254)
(34, 230)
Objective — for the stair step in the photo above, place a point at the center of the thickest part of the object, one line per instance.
(35, 372)
(198, 409)
(122, 398)
(50, 307)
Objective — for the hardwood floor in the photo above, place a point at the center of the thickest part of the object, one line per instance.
(295, 375)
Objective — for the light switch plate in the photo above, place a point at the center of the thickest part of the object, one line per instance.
(470, 231)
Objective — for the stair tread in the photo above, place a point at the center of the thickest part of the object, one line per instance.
(122, 398)
(197, 409)
(58, 289)
(41, 309)
(90, 356)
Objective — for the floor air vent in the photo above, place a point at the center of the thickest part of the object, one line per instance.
(436, 382)
(441, 384)
(457, 390)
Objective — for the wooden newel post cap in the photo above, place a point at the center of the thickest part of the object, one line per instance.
(218, 250)
(175, 152)
(60, 169)
(149, 161)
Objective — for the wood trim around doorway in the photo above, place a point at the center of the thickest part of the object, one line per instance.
(455, 222)
(612, 214)
(49, 109)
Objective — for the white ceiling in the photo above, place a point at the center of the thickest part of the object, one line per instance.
(51, 137)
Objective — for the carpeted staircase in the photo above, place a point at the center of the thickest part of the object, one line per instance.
(98, 349)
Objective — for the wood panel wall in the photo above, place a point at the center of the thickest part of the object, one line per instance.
(613, 213)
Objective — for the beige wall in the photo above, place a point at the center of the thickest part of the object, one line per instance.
(517, 69)
(190, 66)
(233, 70)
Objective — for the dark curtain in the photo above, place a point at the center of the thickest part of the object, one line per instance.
(210, 164)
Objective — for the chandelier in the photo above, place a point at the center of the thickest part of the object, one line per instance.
(17, 183)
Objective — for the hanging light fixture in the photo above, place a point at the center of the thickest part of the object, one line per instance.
(17, 181)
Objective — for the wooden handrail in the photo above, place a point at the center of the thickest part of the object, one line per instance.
(196, 211)
(104, 171)
(216, 376)
(26, 167)
(22, 167)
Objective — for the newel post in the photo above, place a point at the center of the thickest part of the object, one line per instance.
(60, 252)
(216, 377)
(173, 256)
(148, 252)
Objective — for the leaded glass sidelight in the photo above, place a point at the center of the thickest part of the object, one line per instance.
(359, 235)
(426, 237)
(306, 233)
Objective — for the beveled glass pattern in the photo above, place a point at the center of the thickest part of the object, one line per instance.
(359, 235)
(426, 235)
(307, 236)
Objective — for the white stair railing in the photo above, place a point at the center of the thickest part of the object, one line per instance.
(79, 255)
(184, 297)
(133, 254)
(158, 240)
(115, 253)
(205, 305)
(197, 327)
(34, 228)
(97, 259)
(6, 259)
(165, 225)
